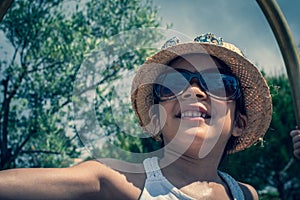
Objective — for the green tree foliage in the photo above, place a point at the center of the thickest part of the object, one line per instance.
(269, 166)
(122, 131)
(49, 44)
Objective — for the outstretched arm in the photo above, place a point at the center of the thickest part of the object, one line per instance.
(295, 134)
(43, 183)
(89, 180)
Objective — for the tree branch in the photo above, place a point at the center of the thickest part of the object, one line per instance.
(40, 151)
(17, 151)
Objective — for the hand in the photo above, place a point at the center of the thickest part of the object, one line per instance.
(295, 134)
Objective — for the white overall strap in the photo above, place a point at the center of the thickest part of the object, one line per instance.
(152, 168)
(157, 187)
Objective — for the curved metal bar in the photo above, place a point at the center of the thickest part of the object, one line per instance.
(287, 47)
(4, 6)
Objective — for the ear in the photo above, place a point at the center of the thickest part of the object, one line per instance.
(240, 124)
(153, 127)
(154, 124)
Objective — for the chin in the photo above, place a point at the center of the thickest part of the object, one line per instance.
(187, 143)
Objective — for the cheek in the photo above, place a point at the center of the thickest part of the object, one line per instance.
(223, 116)
(166, 118)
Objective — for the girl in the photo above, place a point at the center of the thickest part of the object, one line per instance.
(201, 99)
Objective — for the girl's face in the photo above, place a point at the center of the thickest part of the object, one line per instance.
(194, 123)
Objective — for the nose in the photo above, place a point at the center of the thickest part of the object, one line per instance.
(194, 90)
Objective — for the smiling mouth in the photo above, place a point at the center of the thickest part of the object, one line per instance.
(193, 114)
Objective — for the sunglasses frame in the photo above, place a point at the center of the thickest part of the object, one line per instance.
(201, 82)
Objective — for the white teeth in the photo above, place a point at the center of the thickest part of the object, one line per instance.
(193, 114)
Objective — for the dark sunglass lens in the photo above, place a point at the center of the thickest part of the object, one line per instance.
(170, 84)
(165, 91)
(220, 85)
(231, 85)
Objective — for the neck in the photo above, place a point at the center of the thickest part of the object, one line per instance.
(190, 168)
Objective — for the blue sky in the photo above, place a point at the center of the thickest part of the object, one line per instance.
(240, 22)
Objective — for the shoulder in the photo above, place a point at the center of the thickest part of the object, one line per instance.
(108, 183)
(249, 191)
(92, 168)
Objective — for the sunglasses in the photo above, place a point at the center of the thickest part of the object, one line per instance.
(217, 83)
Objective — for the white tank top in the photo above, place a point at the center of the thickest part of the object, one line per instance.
(158, 187)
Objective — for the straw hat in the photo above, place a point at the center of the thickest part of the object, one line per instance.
(255, 90)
